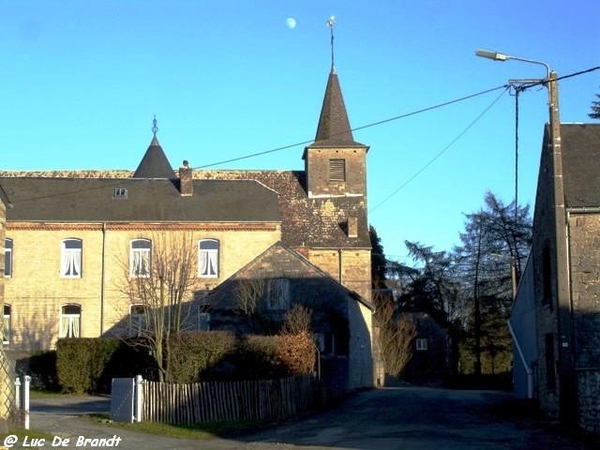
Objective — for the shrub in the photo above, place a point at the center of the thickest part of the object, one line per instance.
(192, 354)
(80, 362)
(276, 356)
(42, 368)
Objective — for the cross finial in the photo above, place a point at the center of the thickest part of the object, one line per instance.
(331, 23)
(154, 126)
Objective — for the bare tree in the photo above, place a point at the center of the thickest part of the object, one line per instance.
(161, 288)
(297, 320)
(248, 294)
(396, 336)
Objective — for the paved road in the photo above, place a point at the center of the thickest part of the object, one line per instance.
(408, 418)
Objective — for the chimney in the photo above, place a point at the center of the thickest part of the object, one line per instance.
(186, 185)
(352, 227)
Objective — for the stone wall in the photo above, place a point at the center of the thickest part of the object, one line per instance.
(588, 395)
(546, 304)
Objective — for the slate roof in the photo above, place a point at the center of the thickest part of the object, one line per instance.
(154, 164)
(91, 200)
(581, 164)
(334, 127)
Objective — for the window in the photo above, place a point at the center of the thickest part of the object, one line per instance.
(6, 325)
(120, 193)
(139, 258)
(70, 258)
(421, 344)
(70, 321)
(203, 321)
(8, 253)
(278, 294)
(208, 258)
(137, 320)
(337, 170)
(325, 343)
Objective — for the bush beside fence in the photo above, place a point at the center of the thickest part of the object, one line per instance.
(250, 400)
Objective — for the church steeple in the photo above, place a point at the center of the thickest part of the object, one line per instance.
(154, 164)
(334, 126)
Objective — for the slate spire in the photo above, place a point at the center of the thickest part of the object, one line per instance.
(334, 126)
(154, 164)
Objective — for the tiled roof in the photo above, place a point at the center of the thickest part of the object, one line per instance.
(93, 199)
(311, 222)
(580, 146)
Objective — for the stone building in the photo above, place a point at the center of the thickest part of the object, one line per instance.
(561, 283)
(72, 237)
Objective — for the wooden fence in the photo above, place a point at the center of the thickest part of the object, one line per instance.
(186, 404)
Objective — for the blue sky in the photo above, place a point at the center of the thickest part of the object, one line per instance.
(81, 82)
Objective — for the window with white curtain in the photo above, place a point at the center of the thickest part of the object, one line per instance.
(6, 325)
(70, 321)
(139, 258)
(8, 253)
(70, 258)
(137, 320)
(208, 258)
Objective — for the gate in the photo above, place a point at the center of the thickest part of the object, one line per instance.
(125, 399)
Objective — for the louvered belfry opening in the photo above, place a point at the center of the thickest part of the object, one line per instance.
(337, 169)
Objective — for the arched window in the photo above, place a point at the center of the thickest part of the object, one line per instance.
(70, 321)
(208, 258)
(70, 258)
(8, 254)
(6, 325)
(139, 257)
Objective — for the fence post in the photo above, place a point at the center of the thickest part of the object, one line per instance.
(138, 398)
(26, 384)
(18, 393)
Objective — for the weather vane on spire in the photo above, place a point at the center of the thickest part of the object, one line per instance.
(154, 126)
(331, 23)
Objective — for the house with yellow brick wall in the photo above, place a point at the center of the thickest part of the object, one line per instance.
(73, 237)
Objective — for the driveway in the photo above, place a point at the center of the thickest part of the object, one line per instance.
(404, 417)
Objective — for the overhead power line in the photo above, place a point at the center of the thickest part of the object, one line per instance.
(362, 127)
(123, 181)
(441, 152)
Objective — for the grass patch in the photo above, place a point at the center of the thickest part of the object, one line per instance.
(34, 393)
(196, 431)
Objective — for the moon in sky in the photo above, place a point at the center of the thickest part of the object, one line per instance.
(290, 22)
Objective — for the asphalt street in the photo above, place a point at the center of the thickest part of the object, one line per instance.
(402, 417)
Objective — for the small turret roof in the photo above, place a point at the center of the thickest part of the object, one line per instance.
(154, 164)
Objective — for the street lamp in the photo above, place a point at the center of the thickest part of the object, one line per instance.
(563, 300)
(497, 56)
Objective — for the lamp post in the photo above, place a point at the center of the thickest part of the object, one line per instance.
(567, 392)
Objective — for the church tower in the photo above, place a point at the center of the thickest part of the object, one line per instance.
(335, 164)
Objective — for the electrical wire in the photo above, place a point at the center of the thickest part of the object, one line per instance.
(123, 181)
(441, 152)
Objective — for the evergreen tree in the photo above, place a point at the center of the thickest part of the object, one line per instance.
(378, 261)
(595, 114)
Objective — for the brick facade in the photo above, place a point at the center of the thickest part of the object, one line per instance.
(37, 256)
